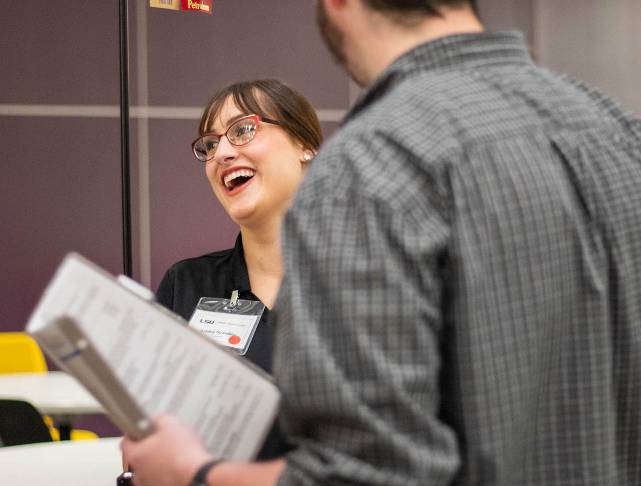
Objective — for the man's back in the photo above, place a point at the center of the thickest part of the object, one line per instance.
(545, 316)
(474, 234)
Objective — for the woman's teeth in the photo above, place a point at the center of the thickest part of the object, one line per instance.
(232, 179)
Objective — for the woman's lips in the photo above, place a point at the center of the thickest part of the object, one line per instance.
(235, 179)
(238, 188)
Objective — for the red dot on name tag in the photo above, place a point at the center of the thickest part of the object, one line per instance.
(233, 339)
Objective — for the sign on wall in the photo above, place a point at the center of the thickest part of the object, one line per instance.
(203, 6)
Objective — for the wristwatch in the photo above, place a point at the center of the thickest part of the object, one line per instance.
(200, 478)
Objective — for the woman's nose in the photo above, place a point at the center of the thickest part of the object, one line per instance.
(226, 153)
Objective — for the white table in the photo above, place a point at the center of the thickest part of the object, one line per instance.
(54, 393)
(85, 462)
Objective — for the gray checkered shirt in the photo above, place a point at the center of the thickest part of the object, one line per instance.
(462, 300)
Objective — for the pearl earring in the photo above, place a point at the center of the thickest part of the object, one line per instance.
(308, 155)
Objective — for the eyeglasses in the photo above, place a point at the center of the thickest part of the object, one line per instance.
(241, 132)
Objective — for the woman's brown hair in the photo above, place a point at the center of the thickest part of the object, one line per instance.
(269, 98)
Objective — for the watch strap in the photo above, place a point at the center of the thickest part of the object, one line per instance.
(200, 478)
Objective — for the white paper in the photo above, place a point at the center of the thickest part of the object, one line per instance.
(164, 364)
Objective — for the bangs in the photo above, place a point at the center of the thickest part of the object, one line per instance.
(247, 99)
(267, 98)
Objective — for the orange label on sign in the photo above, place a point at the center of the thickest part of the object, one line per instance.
(168, 4)
(204, 6)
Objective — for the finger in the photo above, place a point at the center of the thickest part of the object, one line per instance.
(135, 480)
(125, 446)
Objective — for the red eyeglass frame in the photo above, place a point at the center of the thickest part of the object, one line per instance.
(257, 119)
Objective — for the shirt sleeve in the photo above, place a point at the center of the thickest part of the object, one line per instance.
(358, 358)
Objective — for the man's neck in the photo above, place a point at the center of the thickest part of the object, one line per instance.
(388, 41)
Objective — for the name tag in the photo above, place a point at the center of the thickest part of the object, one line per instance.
(231, 326)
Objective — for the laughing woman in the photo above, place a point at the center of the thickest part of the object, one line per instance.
(256, 139)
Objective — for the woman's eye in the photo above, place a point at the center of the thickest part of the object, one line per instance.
(243, 130)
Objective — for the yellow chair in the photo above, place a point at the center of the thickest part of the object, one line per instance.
(20, 353)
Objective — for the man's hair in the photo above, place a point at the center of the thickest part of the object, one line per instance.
(399, 8)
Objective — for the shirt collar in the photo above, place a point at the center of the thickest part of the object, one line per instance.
(459, 51)
(239, 279)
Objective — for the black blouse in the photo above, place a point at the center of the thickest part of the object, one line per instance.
(217, 275)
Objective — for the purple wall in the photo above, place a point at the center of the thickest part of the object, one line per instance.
(60, 183)
(60, 165)
(60, 173)
(55, 52)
